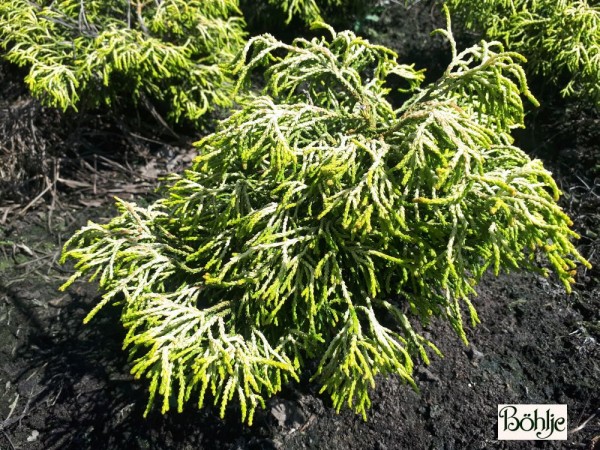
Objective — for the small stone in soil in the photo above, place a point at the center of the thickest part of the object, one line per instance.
(288, 414)
(474, 354)
(425, 374)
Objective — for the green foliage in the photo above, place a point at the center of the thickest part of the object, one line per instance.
(317, 10)
(560, 38)
(308, 10)
(318, 222)
(173, 51)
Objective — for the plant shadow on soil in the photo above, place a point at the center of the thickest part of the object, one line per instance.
(90, 399)
(65, 385)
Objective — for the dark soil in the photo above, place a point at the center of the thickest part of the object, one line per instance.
(65, 385)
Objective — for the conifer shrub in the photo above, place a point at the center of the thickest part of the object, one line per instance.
(319, 223)
(560, 38)
(171, 51)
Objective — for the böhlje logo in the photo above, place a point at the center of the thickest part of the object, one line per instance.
(532, 422)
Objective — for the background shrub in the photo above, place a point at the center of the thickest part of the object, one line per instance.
(173, 52)
(560, 38)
